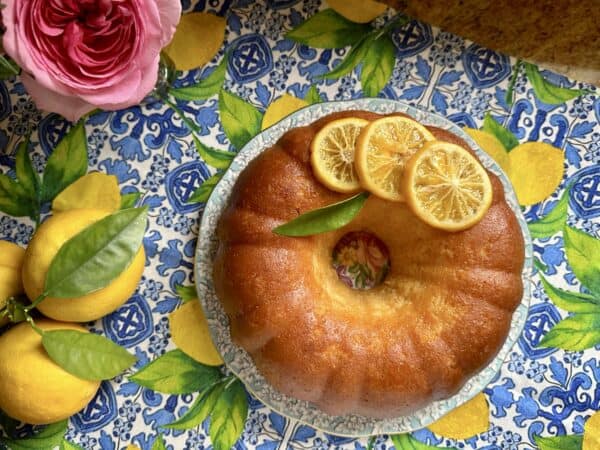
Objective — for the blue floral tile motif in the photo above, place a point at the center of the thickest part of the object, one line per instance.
(485, 68)
(250, 59)
(131, 323)
(542, 317)
(99, 412)
(412, 39)
(584, 196)
(181, 182)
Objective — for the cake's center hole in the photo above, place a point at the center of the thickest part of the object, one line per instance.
(361, 260)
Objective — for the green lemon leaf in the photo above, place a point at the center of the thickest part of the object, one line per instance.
(66, 445)
(378, 66)
(186, 293)
(241, 121)
(407, 442)
(159, 443)
(583, 254)
(201, 409)
(207, 87)
(509, 97)
(50, 437)
(229, 416)
(202, 194)
(313, 97)
(130, 200)
(554, 221)
(548, 92)
(352, 58)
(506, 138)
(328, 29)
(67, 163)
(86, 355)
(97, 255)
(14, 200)
(8, 68)
(572, 442)
(571, 301)
(324, 219)
(218, 159)
(26, 175)
(575, 333)
(176, 373)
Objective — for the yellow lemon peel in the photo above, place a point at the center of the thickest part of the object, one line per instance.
(492, 146)
(281, 108)
(359, 11)
(196, 41)
(11, 260)
(191, 335)
(94, 190)
(465, 421)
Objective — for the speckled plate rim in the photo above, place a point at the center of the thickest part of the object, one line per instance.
(240, 362)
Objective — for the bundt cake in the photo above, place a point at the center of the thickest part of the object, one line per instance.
(440, 315)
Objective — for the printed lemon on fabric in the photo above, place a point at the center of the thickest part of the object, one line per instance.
(11, 260)
(281, 108)
(467, 420)
(197, 40)
(46, 242)
(492, 146)
(94, 190)
(591, 433)
(191, 335)
(359, 11)
(33, 388)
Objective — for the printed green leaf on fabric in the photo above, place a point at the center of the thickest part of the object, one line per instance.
(93, 258)
(241, 121)
(328, 29)
(48, 438)
(313, 97)
(554, 221)
(219, 159)
(67, 445)
(159, 443)
(572, 442)
(548, 92)
(67, 163)
(407, 442)
(583, 254)
(378, 66)
(130, 200)
(324, 219)
(575, 333)
(202, 193)
(200, 409)
(86, 355)
(176, 373)
(8, 68)
(206, 88)
(353, 58)
(229, 416)
(575, 302)
(506, 138)
(186, 293)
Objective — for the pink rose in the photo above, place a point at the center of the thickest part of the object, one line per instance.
(78, 55)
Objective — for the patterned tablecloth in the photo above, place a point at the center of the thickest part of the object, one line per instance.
(541, 390)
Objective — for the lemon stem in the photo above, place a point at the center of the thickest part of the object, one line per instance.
(37, 329)
(36, 302)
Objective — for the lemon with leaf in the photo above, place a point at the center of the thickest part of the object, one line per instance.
(33, 388)
(281, 108)
(44, 246)
(11, 260)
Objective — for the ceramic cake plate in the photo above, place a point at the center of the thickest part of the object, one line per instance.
(240, 362)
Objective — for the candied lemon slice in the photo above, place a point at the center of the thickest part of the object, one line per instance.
(446, 186)
(382, 151)
(332, 156)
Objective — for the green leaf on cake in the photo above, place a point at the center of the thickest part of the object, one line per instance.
(328, 29)
(202, 193)
(324, 219)
(229, 416)
(572, 442)
(67, 163)
(176, 373)
(506, 138)
(378, 66)
(583, 254)
(548, 92)
(207, 87)
(554, 221)
(241, 121)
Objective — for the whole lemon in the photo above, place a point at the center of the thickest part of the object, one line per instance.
(11, 260)
(34, 389)
(46, 242)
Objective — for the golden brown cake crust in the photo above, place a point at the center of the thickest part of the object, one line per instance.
(440, 316)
